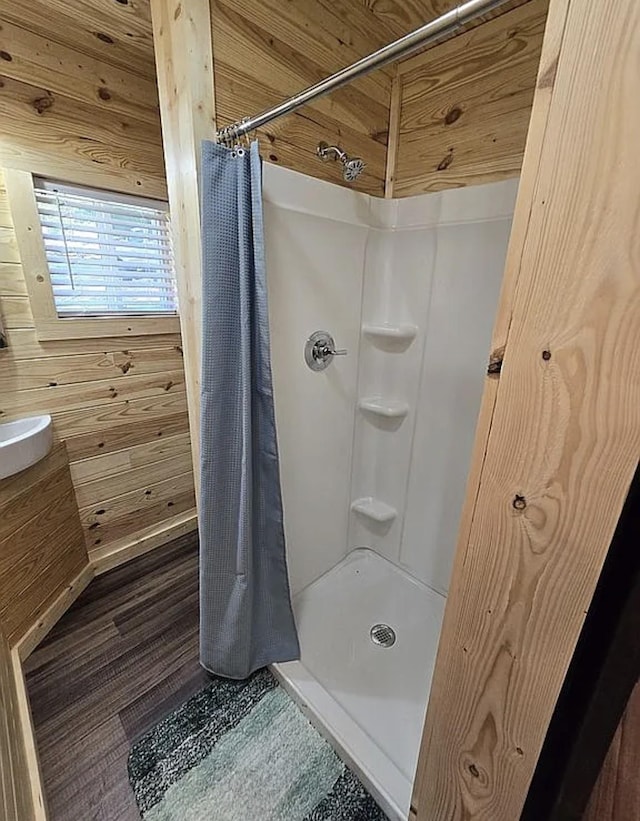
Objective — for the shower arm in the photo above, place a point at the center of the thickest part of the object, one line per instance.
(445, 25)
(324, 151)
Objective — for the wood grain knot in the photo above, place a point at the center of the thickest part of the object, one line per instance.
(519, 502)
(104, 37)
(4, 55)
(495, 362)
(273, 158)
(42, 104)
(546, 355)
(548, 76)
(104, 93)
(452, 115)
(446, 161)
(475, 772)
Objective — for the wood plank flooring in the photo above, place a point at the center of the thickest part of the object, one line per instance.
(119, 660)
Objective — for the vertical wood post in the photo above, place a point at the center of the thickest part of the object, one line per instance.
(559, 432)
(182, 40)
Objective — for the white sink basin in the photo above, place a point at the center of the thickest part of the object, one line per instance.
(23, 443)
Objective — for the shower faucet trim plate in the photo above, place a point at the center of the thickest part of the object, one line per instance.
(320, 349)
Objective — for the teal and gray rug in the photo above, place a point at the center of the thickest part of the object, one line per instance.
(243, 751)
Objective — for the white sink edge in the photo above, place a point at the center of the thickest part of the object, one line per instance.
(27, 447)
(42, 422)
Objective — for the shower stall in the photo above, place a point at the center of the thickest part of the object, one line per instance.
(375, 447)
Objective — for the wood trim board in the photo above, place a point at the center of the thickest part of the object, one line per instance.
(184, 60)
(32, 772)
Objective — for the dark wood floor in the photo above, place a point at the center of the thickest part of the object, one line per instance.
(120, 659)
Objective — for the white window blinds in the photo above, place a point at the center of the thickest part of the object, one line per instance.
(107, 254)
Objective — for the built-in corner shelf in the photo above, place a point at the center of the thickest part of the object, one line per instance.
(401, 333)
(389, 408)
(374, 509)
(389, 337)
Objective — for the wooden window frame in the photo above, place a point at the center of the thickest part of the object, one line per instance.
(49, 326)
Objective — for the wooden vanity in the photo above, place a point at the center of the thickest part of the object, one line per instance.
(42, 547)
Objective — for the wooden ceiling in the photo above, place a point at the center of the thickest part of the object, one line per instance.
(77, 78)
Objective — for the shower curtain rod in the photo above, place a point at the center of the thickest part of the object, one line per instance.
(446, 24)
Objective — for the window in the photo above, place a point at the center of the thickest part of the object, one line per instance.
(107, 254)
(96, 263)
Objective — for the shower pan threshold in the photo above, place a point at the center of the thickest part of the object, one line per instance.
(368, 700)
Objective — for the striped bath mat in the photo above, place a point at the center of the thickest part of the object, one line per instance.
(243, 751)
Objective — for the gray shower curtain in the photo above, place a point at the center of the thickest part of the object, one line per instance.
(246, 619)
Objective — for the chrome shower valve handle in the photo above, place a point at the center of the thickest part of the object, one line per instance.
(320, 349)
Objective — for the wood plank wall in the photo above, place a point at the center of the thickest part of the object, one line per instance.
(77, 84)
(78, 98)
(464, 105)
(119, 404)
(266, 51)
(79, 103)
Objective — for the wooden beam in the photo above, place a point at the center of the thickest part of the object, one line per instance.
(559, 433)
(182, 37)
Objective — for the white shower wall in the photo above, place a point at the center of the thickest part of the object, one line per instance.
(316, 234)
(338, 260)
(440, 272)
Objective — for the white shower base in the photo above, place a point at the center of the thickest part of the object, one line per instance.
(368, 700)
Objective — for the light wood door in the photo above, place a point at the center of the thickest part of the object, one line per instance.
(559, 431)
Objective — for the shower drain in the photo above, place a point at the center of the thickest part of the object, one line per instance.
(383, 635)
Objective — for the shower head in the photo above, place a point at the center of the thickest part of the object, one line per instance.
(352, 169)
(352, 166)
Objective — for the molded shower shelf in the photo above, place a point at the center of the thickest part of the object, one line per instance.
(391, 408)
(374, 509)
(403, 332)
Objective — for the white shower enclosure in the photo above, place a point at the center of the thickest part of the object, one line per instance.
(375, 450)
